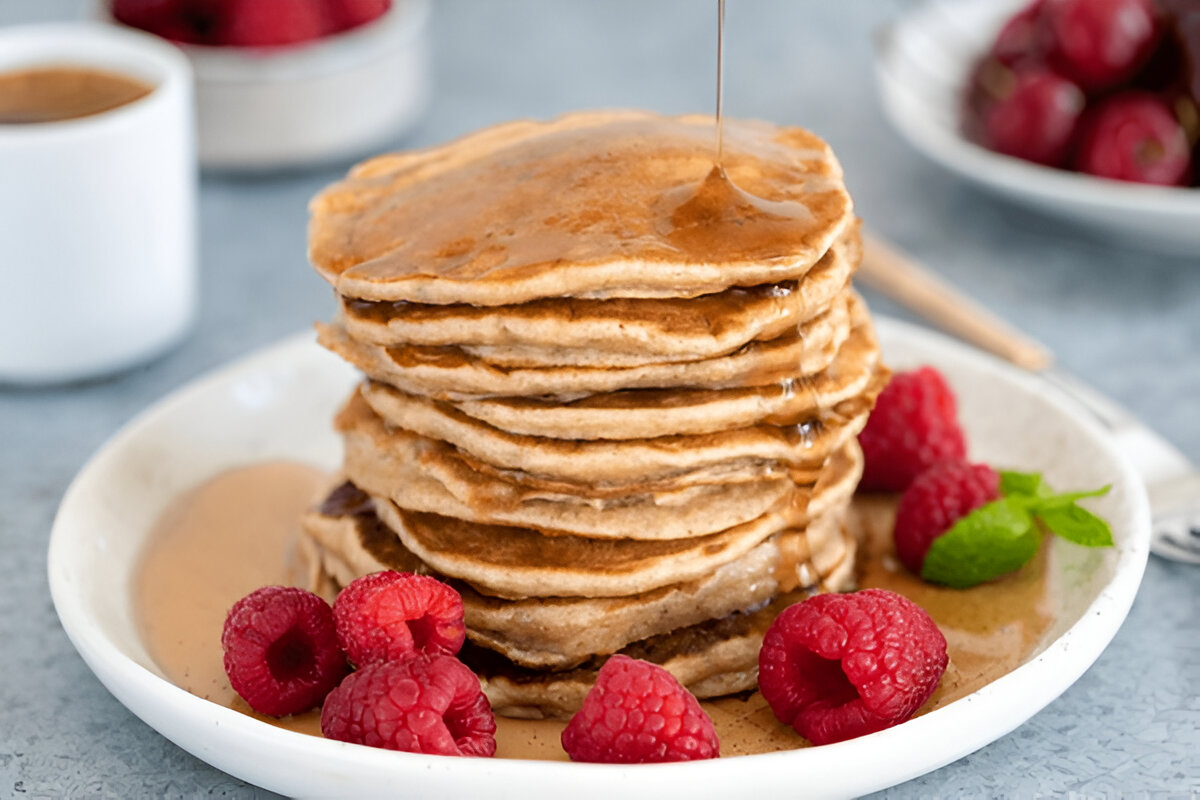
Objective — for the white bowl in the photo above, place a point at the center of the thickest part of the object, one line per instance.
(277, 405)
(335, 98)
(922, 65)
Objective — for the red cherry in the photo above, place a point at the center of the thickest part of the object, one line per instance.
(352, 13)
(1133, 136)
(1020, 41)
(263, 23)
(1036, 120)
(1100, 43)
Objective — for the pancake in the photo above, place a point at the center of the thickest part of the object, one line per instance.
(612, 390)
(616, 464)
(559, 633)
(425, 474)
(450, 373)
(511, 561)
(713, 658)
(583, 331)
(566, 212)
(831, 322)
(847, 388)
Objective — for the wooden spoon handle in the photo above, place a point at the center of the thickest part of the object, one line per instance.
(898, 276)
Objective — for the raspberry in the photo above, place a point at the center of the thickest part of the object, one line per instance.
(427, 704)
(914, 425)
(937, 499)
(837, 666)
(281, 650)
(638, 713)
(389, 615)
(264, 23)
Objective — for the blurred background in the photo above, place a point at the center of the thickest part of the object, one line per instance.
(1125, 317)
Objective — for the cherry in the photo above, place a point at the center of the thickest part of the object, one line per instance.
(1100, 43)
(1134, 136)
(1020, 41)
(1036, 120)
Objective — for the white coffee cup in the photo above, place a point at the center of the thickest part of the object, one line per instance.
(97, 213)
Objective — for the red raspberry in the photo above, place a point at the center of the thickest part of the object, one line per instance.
(281, 650)
(389, 616)
(914, 425)
(1100, 43)
(352, 13)
(837, 666)
(638, 713)
(264, 23)
(937, 499)
(1134, 136)
(427, 704)
(1036, 120)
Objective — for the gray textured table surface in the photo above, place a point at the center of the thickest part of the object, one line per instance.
(1126, 321)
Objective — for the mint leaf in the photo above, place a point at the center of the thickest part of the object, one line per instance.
(990, 541)
(1068, 498)
(1024, 484)
(1078, 525)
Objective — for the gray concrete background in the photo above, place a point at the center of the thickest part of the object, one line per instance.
(1126, 321)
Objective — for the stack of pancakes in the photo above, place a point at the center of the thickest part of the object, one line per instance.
(611, 393)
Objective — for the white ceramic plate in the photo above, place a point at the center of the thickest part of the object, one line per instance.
(922, 65)
(277, 404)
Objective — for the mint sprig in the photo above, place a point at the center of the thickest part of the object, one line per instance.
(1003, 536)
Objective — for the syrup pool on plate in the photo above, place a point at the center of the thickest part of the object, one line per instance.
(237, 532)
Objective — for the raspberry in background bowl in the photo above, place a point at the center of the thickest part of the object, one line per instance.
(326, 90)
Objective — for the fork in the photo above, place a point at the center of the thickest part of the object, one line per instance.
(1172, 482)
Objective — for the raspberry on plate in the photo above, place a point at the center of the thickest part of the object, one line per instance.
(914, 425)
(427, 704)
(1134, 136)
(393, 615)
(837, 666)
(638, 713)
(281, 650)
(937, 499)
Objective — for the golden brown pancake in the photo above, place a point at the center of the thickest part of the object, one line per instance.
(588, 332)
(591, 204)
(561, 632)
(450, 373)
(619, 463)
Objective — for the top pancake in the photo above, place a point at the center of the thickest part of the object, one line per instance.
(594, 204)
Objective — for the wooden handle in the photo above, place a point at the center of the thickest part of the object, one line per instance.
(898, 276)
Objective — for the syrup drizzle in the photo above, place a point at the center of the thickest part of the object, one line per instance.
(720, 84)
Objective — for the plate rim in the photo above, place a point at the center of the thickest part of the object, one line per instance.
(147, 694)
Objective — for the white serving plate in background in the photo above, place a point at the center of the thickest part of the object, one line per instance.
(922, 64)
(278, 403)
(340, 97)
